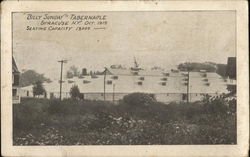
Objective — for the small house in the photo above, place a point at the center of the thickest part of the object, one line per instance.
(15, 83)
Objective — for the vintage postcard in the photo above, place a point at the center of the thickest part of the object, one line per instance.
(125, 78)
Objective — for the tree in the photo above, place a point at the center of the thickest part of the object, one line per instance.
(73, 72)
(30, 77)
(221, 69)
(208, 66)
(231, 68)
(117, 66)
(38, 89)
(75, 92)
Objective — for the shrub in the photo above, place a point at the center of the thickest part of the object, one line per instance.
(75, 92)
(232, 105)
(215, 105)
(29, 114)
(139, 99)
(38, 89)
(88, 122)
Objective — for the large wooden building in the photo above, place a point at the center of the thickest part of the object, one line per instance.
(167, 86)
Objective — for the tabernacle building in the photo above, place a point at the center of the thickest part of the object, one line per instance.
(167, 86)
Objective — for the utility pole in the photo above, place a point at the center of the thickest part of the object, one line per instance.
(189, 68)
(188, 87)
(113, 93)
(61, 61)
(104, 84)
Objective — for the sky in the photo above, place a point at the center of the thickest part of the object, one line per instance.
(162, 39)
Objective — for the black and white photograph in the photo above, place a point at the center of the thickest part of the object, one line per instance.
(124, 78)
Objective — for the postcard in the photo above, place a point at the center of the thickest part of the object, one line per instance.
(124, 78)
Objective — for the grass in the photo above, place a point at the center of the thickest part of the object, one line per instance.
(78, 122)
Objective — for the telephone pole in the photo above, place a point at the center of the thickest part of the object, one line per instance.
(113, 93)
(188, 87)
(189, 68)
(104, 84)
(61, 61)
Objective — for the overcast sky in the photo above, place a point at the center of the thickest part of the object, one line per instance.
(154, 38)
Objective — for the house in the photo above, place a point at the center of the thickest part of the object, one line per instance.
(15, 83)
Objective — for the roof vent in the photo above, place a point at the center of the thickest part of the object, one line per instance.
(174, 70)
(81, 76)
(94, 76)
(135, 72)
(141, 78)
(109, 82)
(86, 81)
(164, 79)
(163, 83)
(203, 74)
(166, 74)
(205, 80)
(139, 83)
(185, 79)
(70, 81)
(207, 84)
(114, 77)
(183, 74)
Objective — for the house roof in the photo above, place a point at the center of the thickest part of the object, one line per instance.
(14, 66)
(151, 82)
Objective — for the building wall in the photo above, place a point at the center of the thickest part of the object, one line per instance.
(168, 97)
(161, 97)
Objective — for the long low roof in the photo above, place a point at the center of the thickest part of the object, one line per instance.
(174, 82)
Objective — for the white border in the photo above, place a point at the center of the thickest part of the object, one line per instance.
(169, 150)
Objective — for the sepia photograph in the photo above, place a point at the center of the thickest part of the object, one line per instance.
(124, 78)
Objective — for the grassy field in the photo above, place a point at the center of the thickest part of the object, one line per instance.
(131, 122)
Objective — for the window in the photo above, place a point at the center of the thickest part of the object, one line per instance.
(16, 80)
(14, 92)
(163, 83)
(109, 82)
(139, 83)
